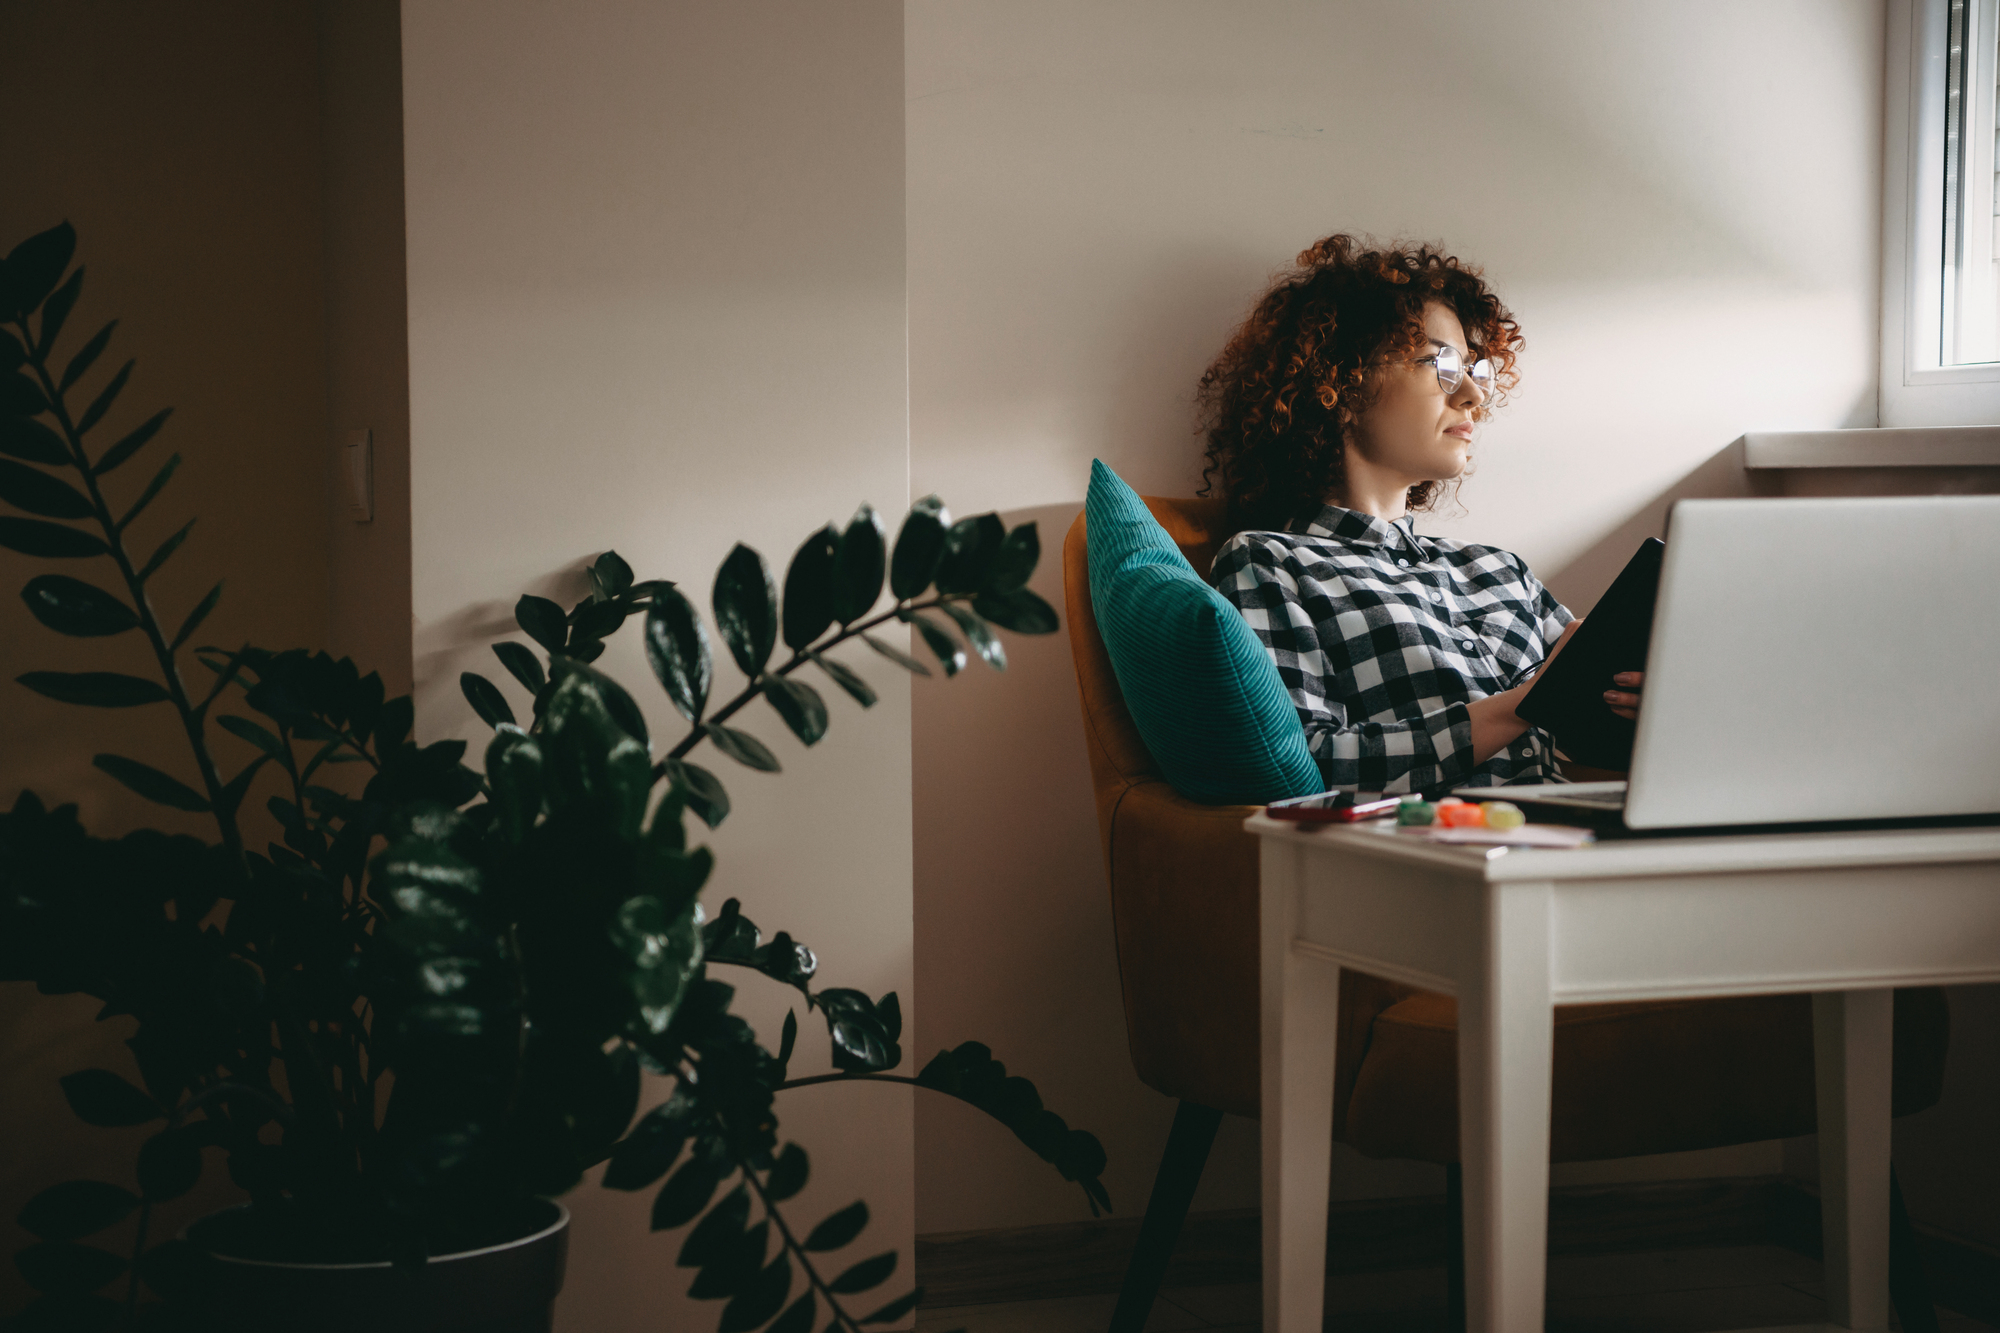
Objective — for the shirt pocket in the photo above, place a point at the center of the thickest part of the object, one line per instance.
(1511, 638)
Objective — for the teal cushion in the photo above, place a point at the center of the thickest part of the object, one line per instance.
(1201, 689)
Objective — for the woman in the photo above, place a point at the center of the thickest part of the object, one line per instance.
(1345, 403)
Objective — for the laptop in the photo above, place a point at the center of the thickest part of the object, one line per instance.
(1814, 661)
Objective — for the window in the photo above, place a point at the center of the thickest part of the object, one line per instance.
(1941, 215)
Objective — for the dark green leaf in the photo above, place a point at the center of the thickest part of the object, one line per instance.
(610, 576)
(166, 548)
(31, 536)
(701, 789)
(20, 396)
(590, 761)
(170, 1163)
(244, 729)
(34, 267)
(76, 1208)
(688, 1191)
(105, 398)
(895, 1309)
(624, 709)
(718, 1234)
(153, 488)
(798, 1318)
(971, 549)
(237, 787)
(677, 650)
(86, 356)
(12, 354)
(857, 567)
(741, 746)
(55, 312)
(839, 1229)
(60, 1268)
(514, 772)
(788, 1037)
(918, 548)
(196, 616)
(1019, 554)
(868, 1273)
(650, 1149)
(151, 783)
(746, 609)
(99, 1097)
(896, 655)
(26, 438)
(800, 705)
(485, 698)
(662, 944)
(979, 636)
(845, 677)
(788, 1173)
(98, 689)
(970, 1073)
(132, 443)
(522, 665)
(759, 1298)
(949, 655)
(809, 594)
(731, 1274)
(35, 491)
(591, 620)
(543, 622)
(71, 606)
(1020, 611)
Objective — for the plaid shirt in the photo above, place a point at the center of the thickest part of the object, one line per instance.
(1382, 637)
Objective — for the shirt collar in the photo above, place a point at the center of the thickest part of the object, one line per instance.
(1359, 529)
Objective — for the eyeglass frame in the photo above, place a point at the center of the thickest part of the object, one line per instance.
(1450, 379)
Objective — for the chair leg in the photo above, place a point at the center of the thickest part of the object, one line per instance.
(1181, 1165)
(1454, 1247)
(1909, 1289)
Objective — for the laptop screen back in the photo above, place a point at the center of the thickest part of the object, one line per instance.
(1822, 660)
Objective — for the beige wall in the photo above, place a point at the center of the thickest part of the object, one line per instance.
(656, 302)
(1680, 203)
(183, 142)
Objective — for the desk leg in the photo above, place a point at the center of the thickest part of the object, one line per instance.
(1300, 1001)
(1506, 1043)
(1851, 1057)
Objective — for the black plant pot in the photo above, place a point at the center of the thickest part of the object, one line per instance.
(505, 1288)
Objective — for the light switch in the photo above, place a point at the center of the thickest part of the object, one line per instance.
(358, 472)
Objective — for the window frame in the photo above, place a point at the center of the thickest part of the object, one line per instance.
(1915, 389)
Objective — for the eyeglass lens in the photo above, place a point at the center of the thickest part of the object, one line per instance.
(1451, 369)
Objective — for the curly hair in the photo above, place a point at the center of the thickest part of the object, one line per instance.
(1278, 403)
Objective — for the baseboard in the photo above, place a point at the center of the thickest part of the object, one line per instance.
(1380, 1235)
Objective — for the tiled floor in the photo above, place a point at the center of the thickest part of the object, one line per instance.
(1670, 1291)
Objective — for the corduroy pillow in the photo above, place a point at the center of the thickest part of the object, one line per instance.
(1200, 687)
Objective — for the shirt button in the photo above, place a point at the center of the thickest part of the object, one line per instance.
(1467, 645)
(1436, 596)
(1404, 563)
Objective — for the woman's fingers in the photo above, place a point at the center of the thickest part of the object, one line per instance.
(1624, 704)
(1631, 678)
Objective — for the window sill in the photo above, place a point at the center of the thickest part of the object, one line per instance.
(1896, 446)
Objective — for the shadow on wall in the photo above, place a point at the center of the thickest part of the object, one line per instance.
(461, 642)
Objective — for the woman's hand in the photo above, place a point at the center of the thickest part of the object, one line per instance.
(1624, 701)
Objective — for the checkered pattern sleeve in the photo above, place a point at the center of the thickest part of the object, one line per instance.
(1360, 673)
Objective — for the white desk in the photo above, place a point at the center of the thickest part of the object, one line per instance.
(1846, 916)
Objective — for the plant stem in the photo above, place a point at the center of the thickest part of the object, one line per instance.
(799, 658)
(842, 1319)
(191, 718)
(847, 1078)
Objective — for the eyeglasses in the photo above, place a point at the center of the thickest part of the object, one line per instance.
(1452, 370)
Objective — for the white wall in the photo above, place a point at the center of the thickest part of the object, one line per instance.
(656, 302)
(1680, 203)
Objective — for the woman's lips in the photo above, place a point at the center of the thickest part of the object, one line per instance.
(1463, 431)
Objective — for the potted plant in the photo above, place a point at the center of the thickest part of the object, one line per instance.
(424, 1013)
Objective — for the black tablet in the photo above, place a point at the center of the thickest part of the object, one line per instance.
(1567, 699)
